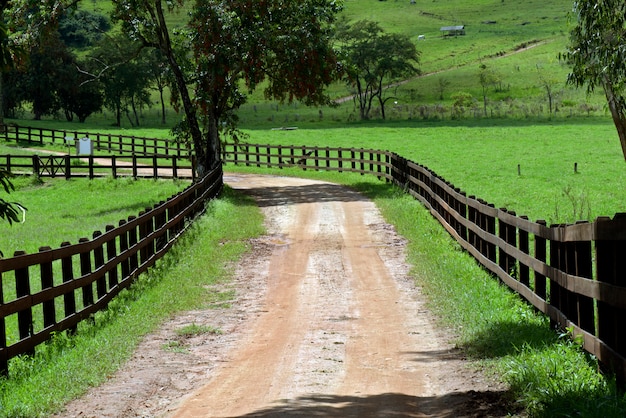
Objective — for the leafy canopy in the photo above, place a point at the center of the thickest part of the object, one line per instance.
(597, 54)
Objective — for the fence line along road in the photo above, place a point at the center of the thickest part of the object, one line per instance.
(575, 274)
(55, 289)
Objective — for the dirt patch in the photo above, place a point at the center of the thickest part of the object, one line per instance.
(325, 322)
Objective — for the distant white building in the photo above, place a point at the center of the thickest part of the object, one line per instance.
(453, 30)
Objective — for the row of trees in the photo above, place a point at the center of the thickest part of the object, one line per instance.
(114, 72)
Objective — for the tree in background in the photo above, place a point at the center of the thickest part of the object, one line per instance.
(22, 22)
(598, 57)
(82, 28)
(235, 46)
(372, 58)
(117, 64)
(487, 77)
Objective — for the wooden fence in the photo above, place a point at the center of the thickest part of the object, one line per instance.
(89, 166)
(354, 160)
(112, 143)
(54, 289)
(575, 274)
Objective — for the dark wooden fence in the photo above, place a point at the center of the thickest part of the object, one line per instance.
(90, 166)
(575, 274)
(112, 143)
(54, 289)
(354, 160)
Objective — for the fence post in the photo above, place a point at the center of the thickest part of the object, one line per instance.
(508, 233)
(125, 264)
(114, 166)
(557, 260)
(111, 251)
(340, 159)
(611, 269)
(69, 299)
(134, 164)
(132, 241)
(47, 282)
(85, 269)
(68, 167)
(91, 167)
(524, 271)
(155, 165)
(540, 254)
(36, 166)
(159, 222)
(4, 358)
(579, 263)
(462, 210)
(25, 316)
(174, 167)
(98, 257)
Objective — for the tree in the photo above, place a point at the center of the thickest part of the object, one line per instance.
(371, 58)
(78, 94)
(82, 28)
(236, 45)
(549, 85)
(21, 22)
(45, 73)
(124, 76)
(487, 77)
(597, 55)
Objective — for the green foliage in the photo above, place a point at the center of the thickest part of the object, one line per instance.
(596, 54)
(371, 57)
(9, 211)
(82, 28)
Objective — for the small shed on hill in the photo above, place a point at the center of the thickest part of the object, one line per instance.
(453, 30)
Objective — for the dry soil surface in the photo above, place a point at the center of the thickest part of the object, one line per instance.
(325, 323)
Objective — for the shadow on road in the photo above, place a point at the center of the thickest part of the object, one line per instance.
(311, 193)
(453, 405)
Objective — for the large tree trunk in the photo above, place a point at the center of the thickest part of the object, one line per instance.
(618, 112)
(212, 158)
(165, 46)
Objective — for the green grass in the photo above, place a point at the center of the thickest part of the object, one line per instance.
(482, 156)
(66, 210)
(181, 281)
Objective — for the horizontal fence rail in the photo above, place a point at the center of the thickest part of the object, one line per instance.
(55, 289)
(71, 166)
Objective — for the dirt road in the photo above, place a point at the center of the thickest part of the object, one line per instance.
(326, 323)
